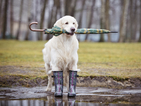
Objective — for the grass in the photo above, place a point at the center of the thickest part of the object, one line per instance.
(121, 60)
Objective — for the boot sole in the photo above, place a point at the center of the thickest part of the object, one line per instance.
(71, 95)
(58, 95)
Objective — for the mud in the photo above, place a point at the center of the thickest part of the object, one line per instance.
(109, 82)
(31, 77)
(19, 89)
(102, 81)
(85, 96)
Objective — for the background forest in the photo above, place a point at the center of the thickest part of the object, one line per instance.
(123, 16)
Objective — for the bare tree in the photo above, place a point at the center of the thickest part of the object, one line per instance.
(50, 24)
(52, 18)
(72, 5)
(1, 2)
(81, 13)
(123, 20)
(11, 18)
(5, 19)
(130, 19)
(90, 18)
(20, 19)
(58, 8)
(107, 18)
(28, 18)
(140, 24)
(81, 16)
(102, 20)
(134, 27)
(67, 5)
(127, 37)
(42, 19)
(1, 7)
(72, 13)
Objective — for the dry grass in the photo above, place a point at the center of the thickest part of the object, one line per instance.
(95, 59)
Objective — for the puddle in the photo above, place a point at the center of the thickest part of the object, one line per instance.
(86, 96)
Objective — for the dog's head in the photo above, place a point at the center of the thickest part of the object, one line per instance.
(68, 23)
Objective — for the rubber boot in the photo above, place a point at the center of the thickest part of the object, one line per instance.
(58, 81)
(72, 83)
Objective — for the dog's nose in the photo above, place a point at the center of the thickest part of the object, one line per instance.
(72, 29)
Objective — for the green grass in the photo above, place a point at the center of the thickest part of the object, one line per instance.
(95, 59)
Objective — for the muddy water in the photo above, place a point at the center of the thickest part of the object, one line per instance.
(86, 96)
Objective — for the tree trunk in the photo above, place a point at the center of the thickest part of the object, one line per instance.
(134, 30)
(50, 22)
(80, 17)
(5, 19)
(107, 18)
(126, 38)
(131, 18)
(27, 32)
(42, 19)
(1, 7)
(102, 20)
(11, 19)
(81, 14)
(73, 8)
(36, 10)
(90, 19)
(58, 8)
(67, 5)
(1, 2)
(28, 18)
(20, 19)
(140, 24)
(123, 21)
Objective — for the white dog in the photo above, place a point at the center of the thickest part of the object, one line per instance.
(60, 53)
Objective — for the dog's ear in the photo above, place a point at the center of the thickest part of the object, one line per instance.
(58, 23)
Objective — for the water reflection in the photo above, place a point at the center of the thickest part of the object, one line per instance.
(65, 101)
(58, 102)
(86, 96)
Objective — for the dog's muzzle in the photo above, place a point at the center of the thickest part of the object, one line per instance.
(72, 31)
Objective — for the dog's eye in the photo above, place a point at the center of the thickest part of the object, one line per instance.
(66, 23)
(73, 23)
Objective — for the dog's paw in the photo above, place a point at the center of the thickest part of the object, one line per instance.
(75, 70)
(49, 72)
(48, 89)
(78, 70)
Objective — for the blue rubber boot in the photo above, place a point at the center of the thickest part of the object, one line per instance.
(72, 83)
(58, 81)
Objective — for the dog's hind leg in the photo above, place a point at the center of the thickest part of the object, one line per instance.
(49, 86)
(49, 72)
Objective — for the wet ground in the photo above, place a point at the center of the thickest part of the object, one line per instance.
(86, 96)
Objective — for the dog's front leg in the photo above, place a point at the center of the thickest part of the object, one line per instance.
(73, 63)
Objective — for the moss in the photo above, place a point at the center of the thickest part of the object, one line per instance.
(119, 78)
